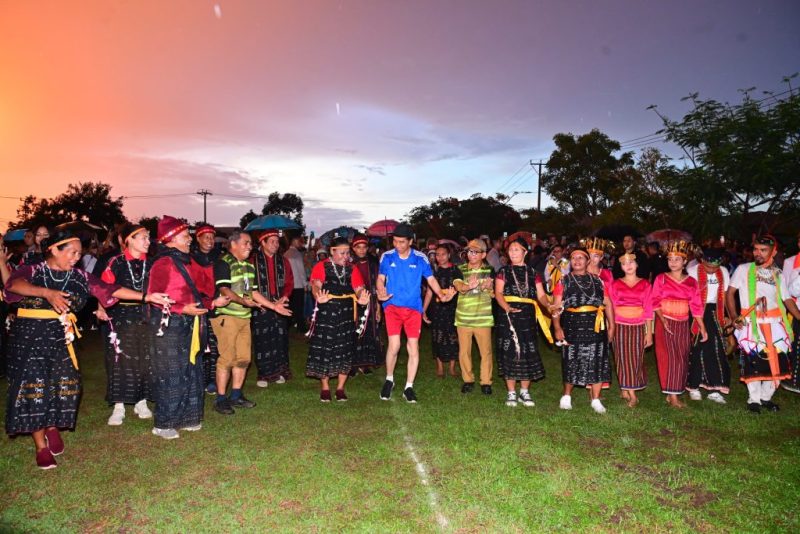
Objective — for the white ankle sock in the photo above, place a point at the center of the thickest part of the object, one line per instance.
(409, 385)
(390, 378)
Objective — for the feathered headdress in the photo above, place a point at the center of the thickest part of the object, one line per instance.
(597, 245)
(682, 248)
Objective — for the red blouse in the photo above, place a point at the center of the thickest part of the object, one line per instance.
(676, 299)
(165, 278)
(318, 273)
(627, 300)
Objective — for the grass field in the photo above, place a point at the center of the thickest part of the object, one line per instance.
(452, 463)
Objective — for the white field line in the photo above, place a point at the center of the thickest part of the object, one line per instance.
(422, 473)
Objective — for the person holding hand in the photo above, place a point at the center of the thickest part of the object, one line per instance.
(178, 337)
(339, 292)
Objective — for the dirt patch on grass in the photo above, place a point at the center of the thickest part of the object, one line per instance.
(697, 496)
(532, 463)
(621, 515)
(291, 506)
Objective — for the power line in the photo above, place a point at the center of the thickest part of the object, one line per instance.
(518, 181)
(512, 176)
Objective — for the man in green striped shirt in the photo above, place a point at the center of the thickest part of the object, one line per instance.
(236, 279)
(474, 315)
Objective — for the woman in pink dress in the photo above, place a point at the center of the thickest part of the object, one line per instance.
(675, 298)
(633, 315)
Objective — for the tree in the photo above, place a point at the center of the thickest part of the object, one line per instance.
(742, 158)
(246, 219)
(151, 223)
(452, 218)
(288, 204)
(89, 201)
(583, 175)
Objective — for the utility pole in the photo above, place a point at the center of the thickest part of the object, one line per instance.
(206, 193)
(538, 184)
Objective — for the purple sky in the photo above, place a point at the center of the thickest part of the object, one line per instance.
(365, 109)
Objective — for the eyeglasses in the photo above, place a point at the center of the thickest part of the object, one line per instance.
(474, 252)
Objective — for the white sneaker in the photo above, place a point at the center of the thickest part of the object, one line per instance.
(117, 415)
(280, 380)
(565, 403)
(717, 397)
(141, 409)
(166, 433)
(526, 399)
(262, 383)
(511, 399)
(695, 394)
(598, 407)
(193, 428)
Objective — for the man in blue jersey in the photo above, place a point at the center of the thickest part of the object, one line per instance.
(399, 287)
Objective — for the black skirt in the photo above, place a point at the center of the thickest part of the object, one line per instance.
(44, 387)
(332, 342)
(444, 336)
(177, 383)
(128, 374)
(708, 363)
(521, 360)
(369, 351)
(585, 360)
(270, 333)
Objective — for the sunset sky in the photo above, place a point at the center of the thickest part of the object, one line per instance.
(364, 108)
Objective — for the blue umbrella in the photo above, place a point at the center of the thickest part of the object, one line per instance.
(272, 222)
(15, 235)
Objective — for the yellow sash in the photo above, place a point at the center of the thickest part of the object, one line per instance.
(599, 322)
(50, 314)
(544, 321)
(355, 303)
(194, 348)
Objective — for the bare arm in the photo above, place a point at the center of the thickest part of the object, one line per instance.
(730, 305)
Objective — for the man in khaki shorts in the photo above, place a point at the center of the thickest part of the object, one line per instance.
(235, 278)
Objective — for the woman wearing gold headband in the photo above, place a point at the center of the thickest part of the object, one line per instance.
(45, 384)
(675, 299)
(126, 334)
(581, 311)
(633, 315)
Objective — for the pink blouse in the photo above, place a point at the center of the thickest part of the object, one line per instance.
(632, 305)
(676, 299)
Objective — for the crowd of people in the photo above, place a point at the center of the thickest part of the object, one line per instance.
(185, 316)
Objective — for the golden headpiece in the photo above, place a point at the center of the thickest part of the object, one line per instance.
(681, 248)
(597, 245)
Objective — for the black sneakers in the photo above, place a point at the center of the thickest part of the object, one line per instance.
(223, 406)
(771, 406)
(241, 402)
(386, 390)
(486, 389)
(409, 395)
(467, 387)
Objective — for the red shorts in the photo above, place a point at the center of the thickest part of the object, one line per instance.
(399, 318)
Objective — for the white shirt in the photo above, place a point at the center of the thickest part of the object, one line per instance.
(791, 277)
(711, 279)
(295, 258)
(765, 287)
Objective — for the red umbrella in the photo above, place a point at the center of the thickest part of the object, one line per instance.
(666, 235)
(382, 228)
